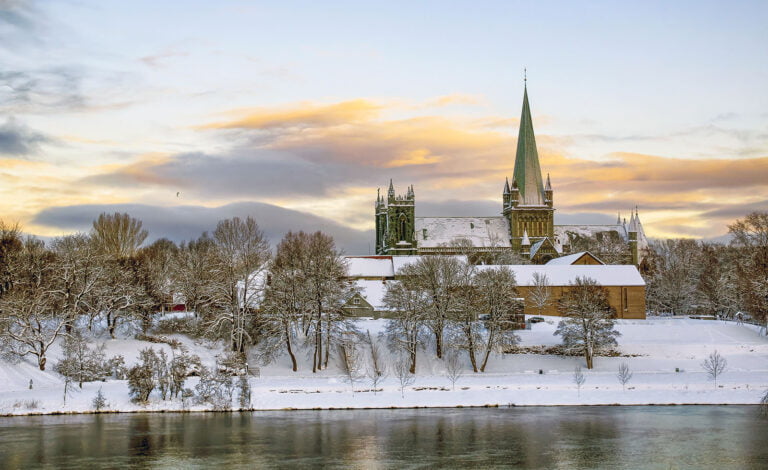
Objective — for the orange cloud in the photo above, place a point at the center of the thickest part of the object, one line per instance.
(303, 114)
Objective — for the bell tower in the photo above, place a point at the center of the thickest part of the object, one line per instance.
(528, 204)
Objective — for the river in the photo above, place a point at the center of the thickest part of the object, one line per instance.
(616, 437)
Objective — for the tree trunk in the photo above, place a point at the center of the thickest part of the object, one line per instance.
(41, 362)
(487, 354)
(439, 344)
(413, 361)
(290, 350)
(470, 346)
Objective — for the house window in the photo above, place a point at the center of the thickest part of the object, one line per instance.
(626, 304)
(356, 301)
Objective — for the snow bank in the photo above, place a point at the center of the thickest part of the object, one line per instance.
(664, 354)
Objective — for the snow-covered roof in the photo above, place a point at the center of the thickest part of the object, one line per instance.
(373, 292)
(399, 261)
(570, 259)
(480, 231)
(559, 275)
(370, 266)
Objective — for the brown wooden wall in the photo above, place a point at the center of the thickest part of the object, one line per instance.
(631, 305)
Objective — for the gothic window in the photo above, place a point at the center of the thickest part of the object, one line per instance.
(403, 227)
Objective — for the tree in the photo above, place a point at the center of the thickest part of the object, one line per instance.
(588, 326)
(377, 368)
(80, 363)
(750, 235)
(10, 244)
(441, 280)
(405, 331)
(624, 375)
(495, 295)
(193, 274)
(79, 273)
(404, 374)
(286, 299)
(540, 292)
(118, 235)
(141, 377)
(714, 365)
(349, 361)
(327, 291)
(99, 401)
(453, 368)
(672, 282)
(29, 323)
(240, 258)
(579, 379)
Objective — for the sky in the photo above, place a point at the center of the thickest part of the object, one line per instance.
(186, 112)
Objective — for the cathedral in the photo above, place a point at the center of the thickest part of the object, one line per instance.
(525, 227)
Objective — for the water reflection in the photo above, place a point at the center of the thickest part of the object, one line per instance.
(567, 437)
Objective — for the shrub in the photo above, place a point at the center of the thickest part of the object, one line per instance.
(141, 376)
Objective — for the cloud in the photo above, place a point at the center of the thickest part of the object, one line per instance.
(302, 115)
(181, 223)
(41, 90)
(19, 20)
(16, 139)
(330, 152)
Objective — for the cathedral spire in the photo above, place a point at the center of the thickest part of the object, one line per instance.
(506, 186)
(548, 187)
(527, 173)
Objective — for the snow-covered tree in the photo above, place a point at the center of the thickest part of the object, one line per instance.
(442, 281)
(495, 295)
(750, 235)
(540, 293)
(29, 322)
(588, 326)
(405, 331)
(80, 363)
(240, 258)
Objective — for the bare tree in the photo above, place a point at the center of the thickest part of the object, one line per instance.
(624, 375)
(349, 361)
(193, 272)
(540, 293)
(240, 258)
(453, 368)
(404, 374)
(494, 294)
(286, 299)
(589, 325)
(10, 244)
(118, 235)
(750, 235)
(405, 332)
(377, 368)
(715, 364)
(441, 280)
(79, 272)
(579, 379)
(29, 323)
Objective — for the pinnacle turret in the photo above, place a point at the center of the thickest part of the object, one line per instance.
(506, 186)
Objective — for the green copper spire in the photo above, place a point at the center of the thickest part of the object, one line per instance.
(527, 170)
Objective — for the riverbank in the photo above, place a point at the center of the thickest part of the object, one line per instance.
(664, 356)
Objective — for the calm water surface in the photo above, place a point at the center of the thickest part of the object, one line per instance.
(731, 437)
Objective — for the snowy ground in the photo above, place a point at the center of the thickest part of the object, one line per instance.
(657, 346)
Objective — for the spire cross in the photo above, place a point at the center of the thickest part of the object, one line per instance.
(525, 75)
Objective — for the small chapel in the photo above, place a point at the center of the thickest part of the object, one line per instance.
(525, 226)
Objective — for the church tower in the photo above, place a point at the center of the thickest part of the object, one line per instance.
(528, 203)
(395, 222)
